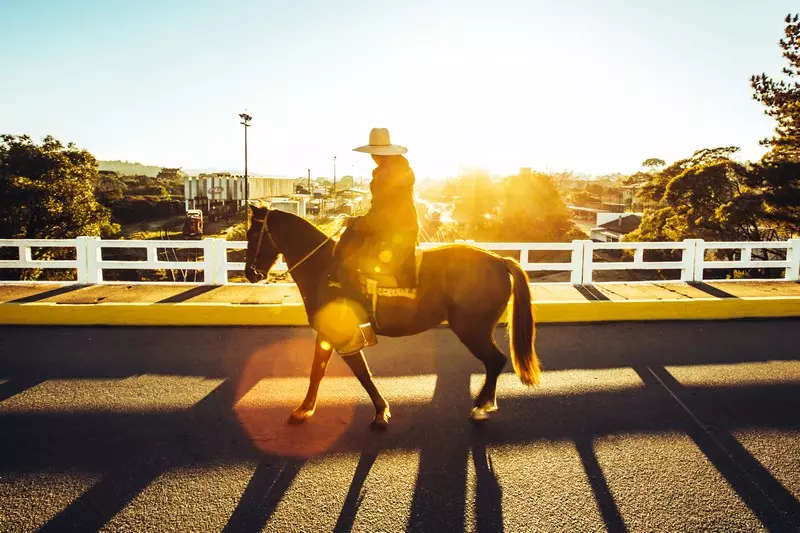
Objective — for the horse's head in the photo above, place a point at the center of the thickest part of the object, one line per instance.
(261, 250)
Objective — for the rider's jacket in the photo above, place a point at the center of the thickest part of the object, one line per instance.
(391, 222)
(392, 208)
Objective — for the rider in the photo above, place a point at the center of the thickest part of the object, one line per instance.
(384, 239)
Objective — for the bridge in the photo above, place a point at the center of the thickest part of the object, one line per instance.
(646, 420)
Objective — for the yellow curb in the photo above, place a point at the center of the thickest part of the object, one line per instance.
(224, 314)
(694, 309)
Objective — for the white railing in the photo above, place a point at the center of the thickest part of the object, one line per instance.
(211, 257)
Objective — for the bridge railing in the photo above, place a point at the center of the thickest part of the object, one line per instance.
(211, 256)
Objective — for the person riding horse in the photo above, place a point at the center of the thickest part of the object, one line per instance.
(382, 241)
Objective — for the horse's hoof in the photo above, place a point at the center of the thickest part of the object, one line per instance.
(479, 414)
(381, 422)
(488, 407)
(299, 417)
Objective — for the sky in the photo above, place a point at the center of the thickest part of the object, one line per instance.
(591, 87)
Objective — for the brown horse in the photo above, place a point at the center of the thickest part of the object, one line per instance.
(466, 286)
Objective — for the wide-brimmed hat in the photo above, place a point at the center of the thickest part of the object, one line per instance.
(379, 144)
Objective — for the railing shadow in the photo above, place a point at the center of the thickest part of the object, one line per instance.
(150, 443)
(769, 500)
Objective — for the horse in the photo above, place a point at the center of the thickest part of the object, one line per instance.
(465, 286)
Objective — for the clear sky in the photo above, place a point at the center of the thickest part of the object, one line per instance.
(595, 87)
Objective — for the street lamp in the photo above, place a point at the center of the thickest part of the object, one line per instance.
(334, 183)
(246, 123)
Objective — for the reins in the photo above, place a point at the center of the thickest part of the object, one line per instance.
(265, 230)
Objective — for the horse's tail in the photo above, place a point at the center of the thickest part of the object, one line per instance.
(521, 327)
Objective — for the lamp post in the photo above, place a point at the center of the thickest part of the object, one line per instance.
(246, 123)
(334, 183)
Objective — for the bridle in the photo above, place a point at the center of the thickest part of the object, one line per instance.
(265, 231)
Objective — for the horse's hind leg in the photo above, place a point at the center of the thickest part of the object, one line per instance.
(481, 343)
(322, 354)
(360, 369)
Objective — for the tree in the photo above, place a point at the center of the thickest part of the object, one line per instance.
(583, 198)
(777, 183)
(782, 98)
(534, 211)
(479, 198)
(778, 179)
(705, 196)
(653, 162)
(47, 190)
(346, 182)
(109, 188)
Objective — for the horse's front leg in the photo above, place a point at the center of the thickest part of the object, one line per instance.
(360, 369)
(322, 354)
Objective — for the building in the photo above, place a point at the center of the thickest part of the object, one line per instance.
(611, 227)
(225, 192)
(297, 205)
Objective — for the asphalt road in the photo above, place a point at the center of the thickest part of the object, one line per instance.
(637, 427)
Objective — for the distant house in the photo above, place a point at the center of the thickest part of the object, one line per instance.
(613, 230)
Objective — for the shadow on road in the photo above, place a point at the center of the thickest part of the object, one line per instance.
(131, 449)
(75, 352)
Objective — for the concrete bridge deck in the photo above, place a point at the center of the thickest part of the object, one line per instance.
(185, 304)
(656, 426)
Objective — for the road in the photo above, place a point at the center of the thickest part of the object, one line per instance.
(637, 427)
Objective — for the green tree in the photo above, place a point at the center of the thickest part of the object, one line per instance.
(706, 196)
(110, 188)
(653, 162)
(48, 190)
(782, 98)
(778, 179)
(777, 183)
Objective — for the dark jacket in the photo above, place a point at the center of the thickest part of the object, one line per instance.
(389, 225)
(392, 210)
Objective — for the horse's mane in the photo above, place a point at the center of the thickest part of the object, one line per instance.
(301, 230)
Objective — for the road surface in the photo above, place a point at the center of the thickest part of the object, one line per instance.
(636, 427)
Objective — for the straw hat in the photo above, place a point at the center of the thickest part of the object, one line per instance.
(379, 144)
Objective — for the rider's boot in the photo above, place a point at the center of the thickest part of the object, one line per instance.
(339, 278)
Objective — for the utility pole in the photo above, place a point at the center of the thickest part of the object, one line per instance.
(246, 123)
(309, 184)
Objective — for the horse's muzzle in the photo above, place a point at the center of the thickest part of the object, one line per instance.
(253, 274)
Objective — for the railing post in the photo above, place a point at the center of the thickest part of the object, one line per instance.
(25, 253)
(576, 264)
(793, 256)
(88, 257)
(81, 258)
(699, 259)
(220, 262)
(588, 257)
(209, 261)
(689, 270)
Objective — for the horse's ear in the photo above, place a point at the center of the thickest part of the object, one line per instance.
(257, 207)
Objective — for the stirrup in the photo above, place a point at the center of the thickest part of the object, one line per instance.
(370, 339)
(363, 338)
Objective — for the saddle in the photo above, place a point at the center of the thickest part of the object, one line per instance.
(386, 281)
(376, 269)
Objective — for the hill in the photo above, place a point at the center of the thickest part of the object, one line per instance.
(126, 168)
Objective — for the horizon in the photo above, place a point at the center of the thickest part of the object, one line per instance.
(498, 88)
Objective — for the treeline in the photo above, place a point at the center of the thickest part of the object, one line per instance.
(140, 198)
(127, 168)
